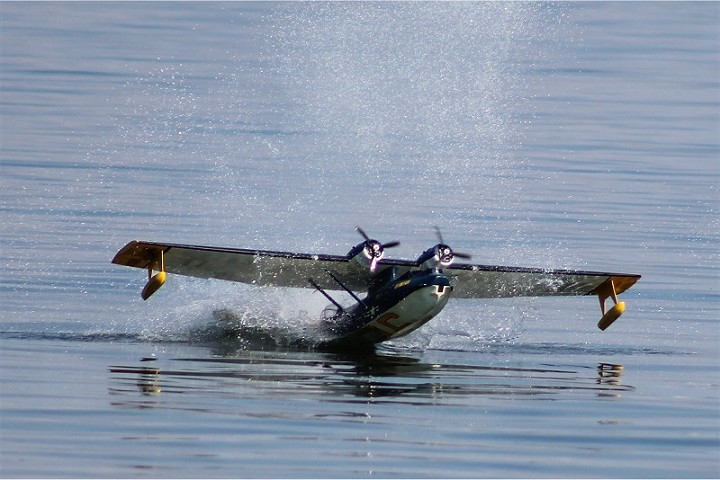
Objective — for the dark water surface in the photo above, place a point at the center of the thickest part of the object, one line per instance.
(581, 135)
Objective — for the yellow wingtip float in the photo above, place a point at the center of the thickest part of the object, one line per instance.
(153, 285)
(611, 315)
(604, 291)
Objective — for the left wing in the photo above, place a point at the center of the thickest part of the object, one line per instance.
(487, 281)
(483, 281)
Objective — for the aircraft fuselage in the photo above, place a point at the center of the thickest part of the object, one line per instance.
(394, 306)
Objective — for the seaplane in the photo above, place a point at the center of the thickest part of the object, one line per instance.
(390, 298)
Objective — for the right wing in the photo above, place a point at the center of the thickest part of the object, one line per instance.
(255, 267)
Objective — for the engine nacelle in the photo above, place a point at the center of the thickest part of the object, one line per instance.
(369, 252)
(438, 256)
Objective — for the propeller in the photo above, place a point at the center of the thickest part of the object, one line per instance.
(444, 255)
(373, 249)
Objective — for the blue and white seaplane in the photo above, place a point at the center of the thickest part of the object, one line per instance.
(391, 297)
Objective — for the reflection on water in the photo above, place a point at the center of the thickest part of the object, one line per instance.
(609, 374)
(363, 377)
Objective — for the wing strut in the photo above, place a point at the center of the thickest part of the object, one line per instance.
(155, 281)
(607, 289)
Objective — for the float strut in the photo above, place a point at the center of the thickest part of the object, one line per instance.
(154, 281)
(607, 289)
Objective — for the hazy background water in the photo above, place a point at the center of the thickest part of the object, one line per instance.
(580, 135)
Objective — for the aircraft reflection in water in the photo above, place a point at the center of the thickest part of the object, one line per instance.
(370, 375)
(399, 295)
(610, 374)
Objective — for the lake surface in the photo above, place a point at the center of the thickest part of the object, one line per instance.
(581, 135)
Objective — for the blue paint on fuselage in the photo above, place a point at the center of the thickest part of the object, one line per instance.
(387, 290)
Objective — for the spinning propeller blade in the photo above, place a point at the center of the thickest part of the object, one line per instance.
(444, 254)
(373, 249)
(362, 232)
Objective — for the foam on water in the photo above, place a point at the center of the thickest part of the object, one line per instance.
(194, 310)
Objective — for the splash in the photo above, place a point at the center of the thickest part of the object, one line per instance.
(201, 311)
(425, 95)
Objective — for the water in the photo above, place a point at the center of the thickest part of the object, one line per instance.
(565, 135)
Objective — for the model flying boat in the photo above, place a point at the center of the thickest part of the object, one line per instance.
(391, 297)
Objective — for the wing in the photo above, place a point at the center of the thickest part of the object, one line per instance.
(485, 281)
(255, 267)
(286, 269)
